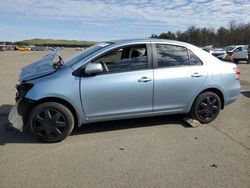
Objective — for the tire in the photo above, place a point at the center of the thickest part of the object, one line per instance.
(236, 61)
(51, 122)
(206, 107)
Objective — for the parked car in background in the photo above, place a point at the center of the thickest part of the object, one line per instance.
(41, 48)
(2, 47)
(10, 47)
(208, 49)
(219, 52)
(22, 48)
(119, 80)
(32, 47)
(79, 49)
(233, 53)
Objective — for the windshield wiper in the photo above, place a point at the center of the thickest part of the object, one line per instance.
(59, 63)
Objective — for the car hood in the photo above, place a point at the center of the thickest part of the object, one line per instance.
(41, 67)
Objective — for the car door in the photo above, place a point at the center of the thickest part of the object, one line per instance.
(240, 53)
(124, 87)
(178, 75)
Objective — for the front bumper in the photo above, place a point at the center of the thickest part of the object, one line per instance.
(19, 112)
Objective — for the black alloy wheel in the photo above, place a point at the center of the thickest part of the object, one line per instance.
(51, 122)
(206, 107)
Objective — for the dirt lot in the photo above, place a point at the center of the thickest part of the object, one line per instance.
(147, 152)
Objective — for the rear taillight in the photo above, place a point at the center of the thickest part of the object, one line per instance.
(237, 72)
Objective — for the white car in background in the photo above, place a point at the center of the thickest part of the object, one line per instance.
(208, 49)
(237, 52)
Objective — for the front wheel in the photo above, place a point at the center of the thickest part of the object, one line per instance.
(206, 107)
(51, 122)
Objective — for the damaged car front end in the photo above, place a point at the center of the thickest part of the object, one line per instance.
(18, 114)
(40, 68)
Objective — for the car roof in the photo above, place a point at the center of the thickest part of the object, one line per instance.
(146, 40)
(234, 46)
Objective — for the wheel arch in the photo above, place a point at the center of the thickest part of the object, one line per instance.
(215, 90)
(61, 101)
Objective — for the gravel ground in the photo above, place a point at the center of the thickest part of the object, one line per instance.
(146, 152)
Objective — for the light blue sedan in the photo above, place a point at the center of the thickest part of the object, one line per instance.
(122, 79)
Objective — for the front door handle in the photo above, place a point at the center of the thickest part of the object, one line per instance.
(144, 79)
(196, 74)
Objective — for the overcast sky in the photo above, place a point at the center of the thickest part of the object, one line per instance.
(98, 20)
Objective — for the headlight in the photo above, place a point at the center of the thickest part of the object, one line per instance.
(22, 89)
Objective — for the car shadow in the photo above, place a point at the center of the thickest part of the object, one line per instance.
(246, 93)
(130, 124)
(11, 135)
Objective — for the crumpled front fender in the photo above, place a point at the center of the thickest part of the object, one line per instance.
(19, 112)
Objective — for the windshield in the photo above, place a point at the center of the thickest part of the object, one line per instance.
(229, 48)
(80, 55)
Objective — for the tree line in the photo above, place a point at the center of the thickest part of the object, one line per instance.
(235, 33)
(51, 42)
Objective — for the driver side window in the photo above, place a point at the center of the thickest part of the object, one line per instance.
(238, 49)
(129, 58)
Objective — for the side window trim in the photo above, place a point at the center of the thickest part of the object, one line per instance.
(149, 56)
(196, 57)
(154, 56)
(189, 59)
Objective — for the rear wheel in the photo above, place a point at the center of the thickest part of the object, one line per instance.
(206, 107)
(51, 122)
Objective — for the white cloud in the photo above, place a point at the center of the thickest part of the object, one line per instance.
(131, 14)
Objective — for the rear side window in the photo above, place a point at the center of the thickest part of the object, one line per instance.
(194, 60)
(171, 55)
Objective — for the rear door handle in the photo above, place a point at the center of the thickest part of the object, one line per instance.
(196, 74)
(144, 79)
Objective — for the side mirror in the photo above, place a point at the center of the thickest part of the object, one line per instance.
(93, 68)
